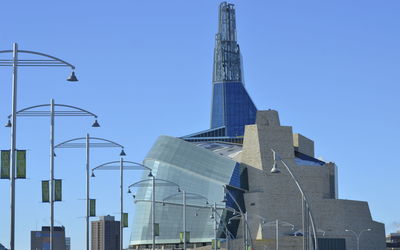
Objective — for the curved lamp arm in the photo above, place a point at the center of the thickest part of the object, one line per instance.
(302, 193)
(59, 105)
(143, 181)
(113, 162)
(41, 54)
(91, 138)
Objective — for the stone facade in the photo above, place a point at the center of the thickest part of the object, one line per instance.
(276, 196)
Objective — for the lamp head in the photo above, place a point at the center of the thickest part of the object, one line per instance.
(150, 174)
(72, 77)
(369, 229)
(129, 191)
(122, 153)
(196, 214)
(179, 189)
(134, 196)
(93, 174)
(275, 169)
(8, 124)
(95, 124)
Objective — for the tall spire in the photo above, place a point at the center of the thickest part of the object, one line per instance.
(227, 63)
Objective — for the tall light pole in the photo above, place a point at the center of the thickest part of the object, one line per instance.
(275, 170)
(88, 142)
(246, 228)
(68, 110)
(185, 196)
(154, 183)
(123, 165)
(15, 62)
(358, 235)
(276, 224)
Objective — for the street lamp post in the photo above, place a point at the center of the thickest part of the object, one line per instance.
(153, 202)
(185, 197)
(15, 62)
(123, 165)
(98, 142)
(358, 235)
(33, 112)
(276, 224)
(275, 170)
(246, 229)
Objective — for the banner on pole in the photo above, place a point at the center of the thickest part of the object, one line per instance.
(156, 229)
(58, 190)
(5, 164)
(21, 164)
(187, 237)
(92, 209)
(124, 219)
(45, 191)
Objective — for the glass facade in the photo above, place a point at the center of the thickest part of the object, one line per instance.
(232, 107)
(196, 170)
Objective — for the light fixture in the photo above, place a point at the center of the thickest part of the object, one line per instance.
(122, 153)
(274, 169)
(129, 191)
(134, 196)
(8, 124)
(150, 174)
(179, 190)
(196, 214)
(72, 77)
(95, 124)
(93, 174)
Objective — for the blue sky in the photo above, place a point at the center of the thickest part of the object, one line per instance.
(331, 69)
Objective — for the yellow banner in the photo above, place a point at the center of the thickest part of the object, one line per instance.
(58, 190)
(5, 164)
(45, 191)
(21, 164)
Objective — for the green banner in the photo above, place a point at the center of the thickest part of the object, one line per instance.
(156, 229)
(58, 190)
(21, 164)
(218, 244)
(125, 219)
(5, 164)
(45, 191)
(187, 237)
(92, 208)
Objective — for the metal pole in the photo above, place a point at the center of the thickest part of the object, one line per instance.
(184, 220)
(277, 234)
(13, 144)
(303, 221)
(87, 191)
(153, 210)
(244, 233)
(121, 238)
(51, 174)
(245, 230)
(215, 226)
(227, 238)
(358, 241)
